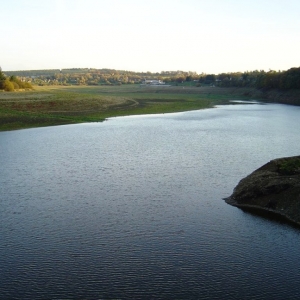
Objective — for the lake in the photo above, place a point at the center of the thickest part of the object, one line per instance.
(132, 208)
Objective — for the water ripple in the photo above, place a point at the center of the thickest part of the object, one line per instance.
(132, 209)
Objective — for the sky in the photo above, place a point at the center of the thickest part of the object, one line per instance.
(203, 36)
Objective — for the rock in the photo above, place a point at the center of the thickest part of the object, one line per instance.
(273, 188)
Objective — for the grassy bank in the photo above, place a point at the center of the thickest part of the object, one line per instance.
(47, 106)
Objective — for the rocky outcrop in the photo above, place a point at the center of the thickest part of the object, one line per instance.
(273, 188)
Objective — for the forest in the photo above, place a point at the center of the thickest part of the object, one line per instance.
(11, 80)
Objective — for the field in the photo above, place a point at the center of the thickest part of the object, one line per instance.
(46, 106)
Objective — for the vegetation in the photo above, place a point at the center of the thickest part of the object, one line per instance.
(284, 80)
(289, 79)
(46, 106)
(13, 83)
(290, 166)
(85, 76)
(88, 95)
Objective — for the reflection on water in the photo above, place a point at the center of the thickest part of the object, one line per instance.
(132, 208)
(246, 102)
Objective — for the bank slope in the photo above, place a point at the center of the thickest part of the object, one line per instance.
(273, 188)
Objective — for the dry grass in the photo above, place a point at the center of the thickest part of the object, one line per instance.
(73, 104)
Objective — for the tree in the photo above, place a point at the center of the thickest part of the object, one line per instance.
(2, 76)
(7, 85)
(189, 78)
(210, 78)
(18, 84)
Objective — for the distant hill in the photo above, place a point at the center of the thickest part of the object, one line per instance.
(282, 80)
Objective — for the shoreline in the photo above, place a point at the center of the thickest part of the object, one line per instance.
(264, 212)
(61, 105)
(273, 189)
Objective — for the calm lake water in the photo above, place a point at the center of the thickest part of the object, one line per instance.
(132, 208)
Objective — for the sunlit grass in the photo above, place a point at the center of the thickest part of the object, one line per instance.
(58, 105)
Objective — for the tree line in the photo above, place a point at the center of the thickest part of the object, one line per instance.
(289, 79)
(12, 83)
(89, 76)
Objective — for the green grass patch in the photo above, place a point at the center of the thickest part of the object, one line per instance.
(289, 167)
(47, 106)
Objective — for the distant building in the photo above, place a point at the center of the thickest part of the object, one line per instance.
(152, 82)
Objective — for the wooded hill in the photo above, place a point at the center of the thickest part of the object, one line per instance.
(289, 79)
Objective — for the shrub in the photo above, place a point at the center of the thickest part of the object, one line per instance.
(8, 86)
(16, 86)
(27, 85)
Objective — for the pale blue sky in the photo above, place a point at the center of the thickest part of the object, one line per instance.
(210, 36)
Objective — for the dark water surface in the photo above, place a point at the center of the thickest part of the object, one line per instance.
(132, 208)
